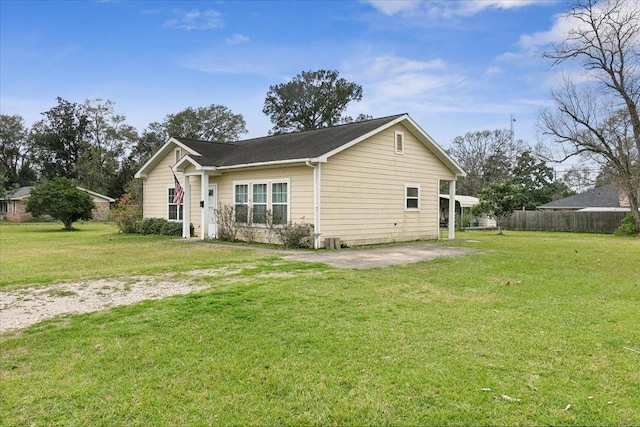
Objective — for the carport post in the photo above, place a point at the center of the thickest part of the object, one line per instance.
(452, 210)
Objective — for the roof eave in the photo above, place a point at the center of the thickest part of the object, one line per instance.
(163, 151)
(272, 163)
(435, 147)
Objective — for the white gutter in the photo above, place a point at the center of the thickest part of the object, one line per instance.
(316, 203)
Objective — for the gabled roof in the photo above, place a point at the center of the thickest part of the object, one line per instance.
(308, 146)
(606, 196)
(20, 194)
(24, 192)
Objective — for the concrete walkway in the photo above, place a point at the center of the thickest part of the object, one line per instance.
(380, 257)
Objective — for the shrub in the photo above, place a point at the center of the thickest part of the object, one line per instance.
(126, 215)
(151, 225)
(296, 236)
(162, 226)
(248, 232)
(627, 226)
(227, 227)
(171, 228)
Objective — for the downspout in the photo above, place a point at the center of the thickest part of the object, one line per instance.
(316, 203)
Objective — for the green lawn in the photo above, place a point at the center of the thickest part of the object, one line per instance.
(540, 329)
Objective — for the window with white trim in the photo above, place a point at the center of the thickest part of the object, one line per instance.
(412, 197)
(259, 204)
(280, 202)
(241, 205)
(254, 199)
(178, 154)
(399, 142)
(174, 212)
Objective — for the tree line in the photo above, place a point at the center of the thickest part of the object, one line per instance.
(596, 119)
(92, 144)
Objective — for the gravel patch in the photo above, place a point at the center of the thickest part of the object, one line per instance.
(24, 307)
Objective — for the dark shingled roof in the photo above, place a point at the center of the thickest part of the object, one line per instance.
(606, 196)
(288, 146)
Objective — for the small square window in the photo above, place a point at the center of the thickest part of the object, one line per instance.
(412, 197)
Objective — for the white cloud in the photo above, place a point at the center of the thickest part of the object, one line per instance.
(196, 20)
(392, 7)
(237, 39)
(393, 65)
(475, 6)
(395, 84)
(493, 71)
(445, 8)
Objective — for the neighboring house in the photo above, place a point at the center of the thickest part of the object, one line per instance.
(463, 206)
(604, 199)
(13, 207)
(366, 182)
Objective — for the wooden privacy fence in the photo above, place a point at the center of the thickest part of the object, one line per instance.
(589, 222)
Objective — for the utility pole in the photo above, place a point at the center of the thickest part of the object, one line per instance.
(511, 122)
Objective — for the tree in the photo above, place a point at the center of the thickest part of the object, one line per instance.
(499, 200)
(213, 123)
(486, 156)
(108, 138)
(62, 200)
(599, 117)
(579, 178)
(536, 180)
(312, 100)
(60, 140)
(15, 160)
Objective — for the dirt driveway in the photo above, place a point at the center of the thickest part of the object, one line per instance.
(382, 256)
(22, 307)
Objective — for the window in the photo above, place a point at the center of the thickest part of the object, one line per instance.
(254, 199)
(177, 155)
(412, 197)
(259, 215)
(399, 142)
(242, 203)
(174, 211)
(279, 202)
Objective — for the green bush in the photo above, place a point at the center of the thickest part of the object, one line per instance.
(627, 227)
(171, 228)
(162, 226)
(296, 236)
(126, 215)
(151, 225)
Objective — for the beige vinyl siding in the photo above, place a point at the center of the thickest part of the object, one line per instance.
(363, 191)
(156, 184)
(300, 180)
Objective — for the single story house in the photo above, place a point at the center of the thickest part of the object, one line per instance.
(367, 182)
(463, 206)
(13, 206)
(607, 198)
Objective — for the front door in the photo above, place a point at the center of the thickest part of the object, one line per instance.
(211, 215)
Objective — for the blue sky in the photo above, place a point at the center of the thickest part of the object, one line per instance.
(454, 66)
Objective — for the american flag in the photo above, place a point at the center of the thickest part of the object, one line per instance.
(178, 191)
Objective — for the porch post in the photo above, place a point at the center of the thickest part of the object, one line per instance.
(186, 208)
(204, 196)
(452, 210)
